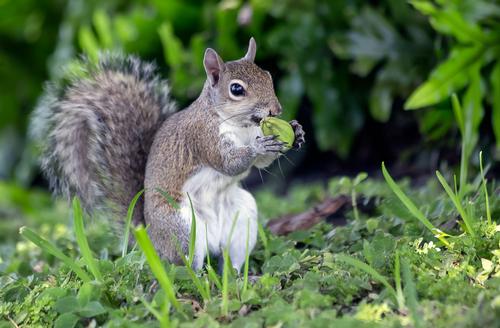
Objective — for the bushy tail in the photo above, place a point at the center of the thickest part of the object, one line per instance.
(95, 130)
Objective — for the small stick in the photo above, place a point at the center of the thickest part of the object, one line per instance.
(302, 221)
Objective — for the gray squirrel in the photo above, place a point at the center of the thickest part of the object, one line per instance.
(110, 131)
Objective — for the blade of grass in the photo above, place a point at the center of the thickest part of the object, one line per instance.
(456, 201)
(412, 208)
(50, 248)
(247, 258)
(485, 188)
(170, 200)
(209, 263)
(411, 294)
(128, 222)
(192, 235)
(214, 277)
(263, 238)
(225, 283)
(162, 319)
(225, 271)
(457, 110)
(82, 241)
(466, 136)
(156, 266)
(204, 292)
(210, 270)
(397, 282)
(371, 271)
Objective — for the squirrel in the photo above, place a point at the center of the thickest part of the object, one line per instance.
(112, 130)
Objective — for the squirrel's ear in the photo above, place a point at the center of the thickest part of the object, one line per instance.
(213, 65)
(252, 48)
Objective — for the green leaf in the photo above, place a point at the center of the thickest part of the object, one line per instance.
(54, 293)
(368, 269)
(447, 78)
(66, 320)
(380, 103)
(67, 304)
(495, 91)
(103, 27)
(379, 250)
(88, 42)
(82, 241)
(281, 264)
(362, 176)
(125, 29)
(451, 22)
(84, 294)
(172, 46)
(88, 292)
(92, 309)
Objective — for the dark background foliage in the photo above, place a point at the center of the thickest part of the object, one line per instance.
(343, 68)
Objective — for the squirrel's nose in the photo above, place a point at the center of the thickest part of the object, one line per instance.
(276, 109)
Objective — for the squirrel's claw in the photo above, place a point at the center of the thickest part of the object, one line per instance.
(268, 144)
(299, 134)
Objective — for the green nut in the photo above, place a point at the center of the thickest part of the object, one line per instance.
(282, 129)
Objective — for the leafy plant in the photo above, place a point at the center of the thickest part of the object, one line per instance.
(473, 50)
(295, 275)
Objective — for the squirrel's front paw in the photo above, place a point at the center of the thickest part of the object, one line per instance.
(268, 144)
(299, 134)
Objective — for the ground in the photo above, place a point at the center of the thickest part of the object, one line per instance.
(383, 267)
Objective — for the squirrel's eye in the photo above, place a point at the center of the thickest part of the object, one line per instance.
(237, 89)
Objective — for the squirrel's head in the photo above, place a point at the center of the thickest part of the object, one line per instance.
(242, 93)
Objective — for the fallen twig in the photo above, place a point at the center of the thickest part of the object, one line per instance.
(302, 221)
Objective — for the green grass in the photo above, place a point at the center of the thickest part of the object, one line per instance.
(369, 270)
(156, 266)
(412, 208)
(382, 268)
(455, 198)
(81, 239)
(50, 248)
(128, 222)
(485, 189)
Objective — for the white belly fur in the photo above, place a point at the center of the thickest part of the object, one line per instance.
(218, 201)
